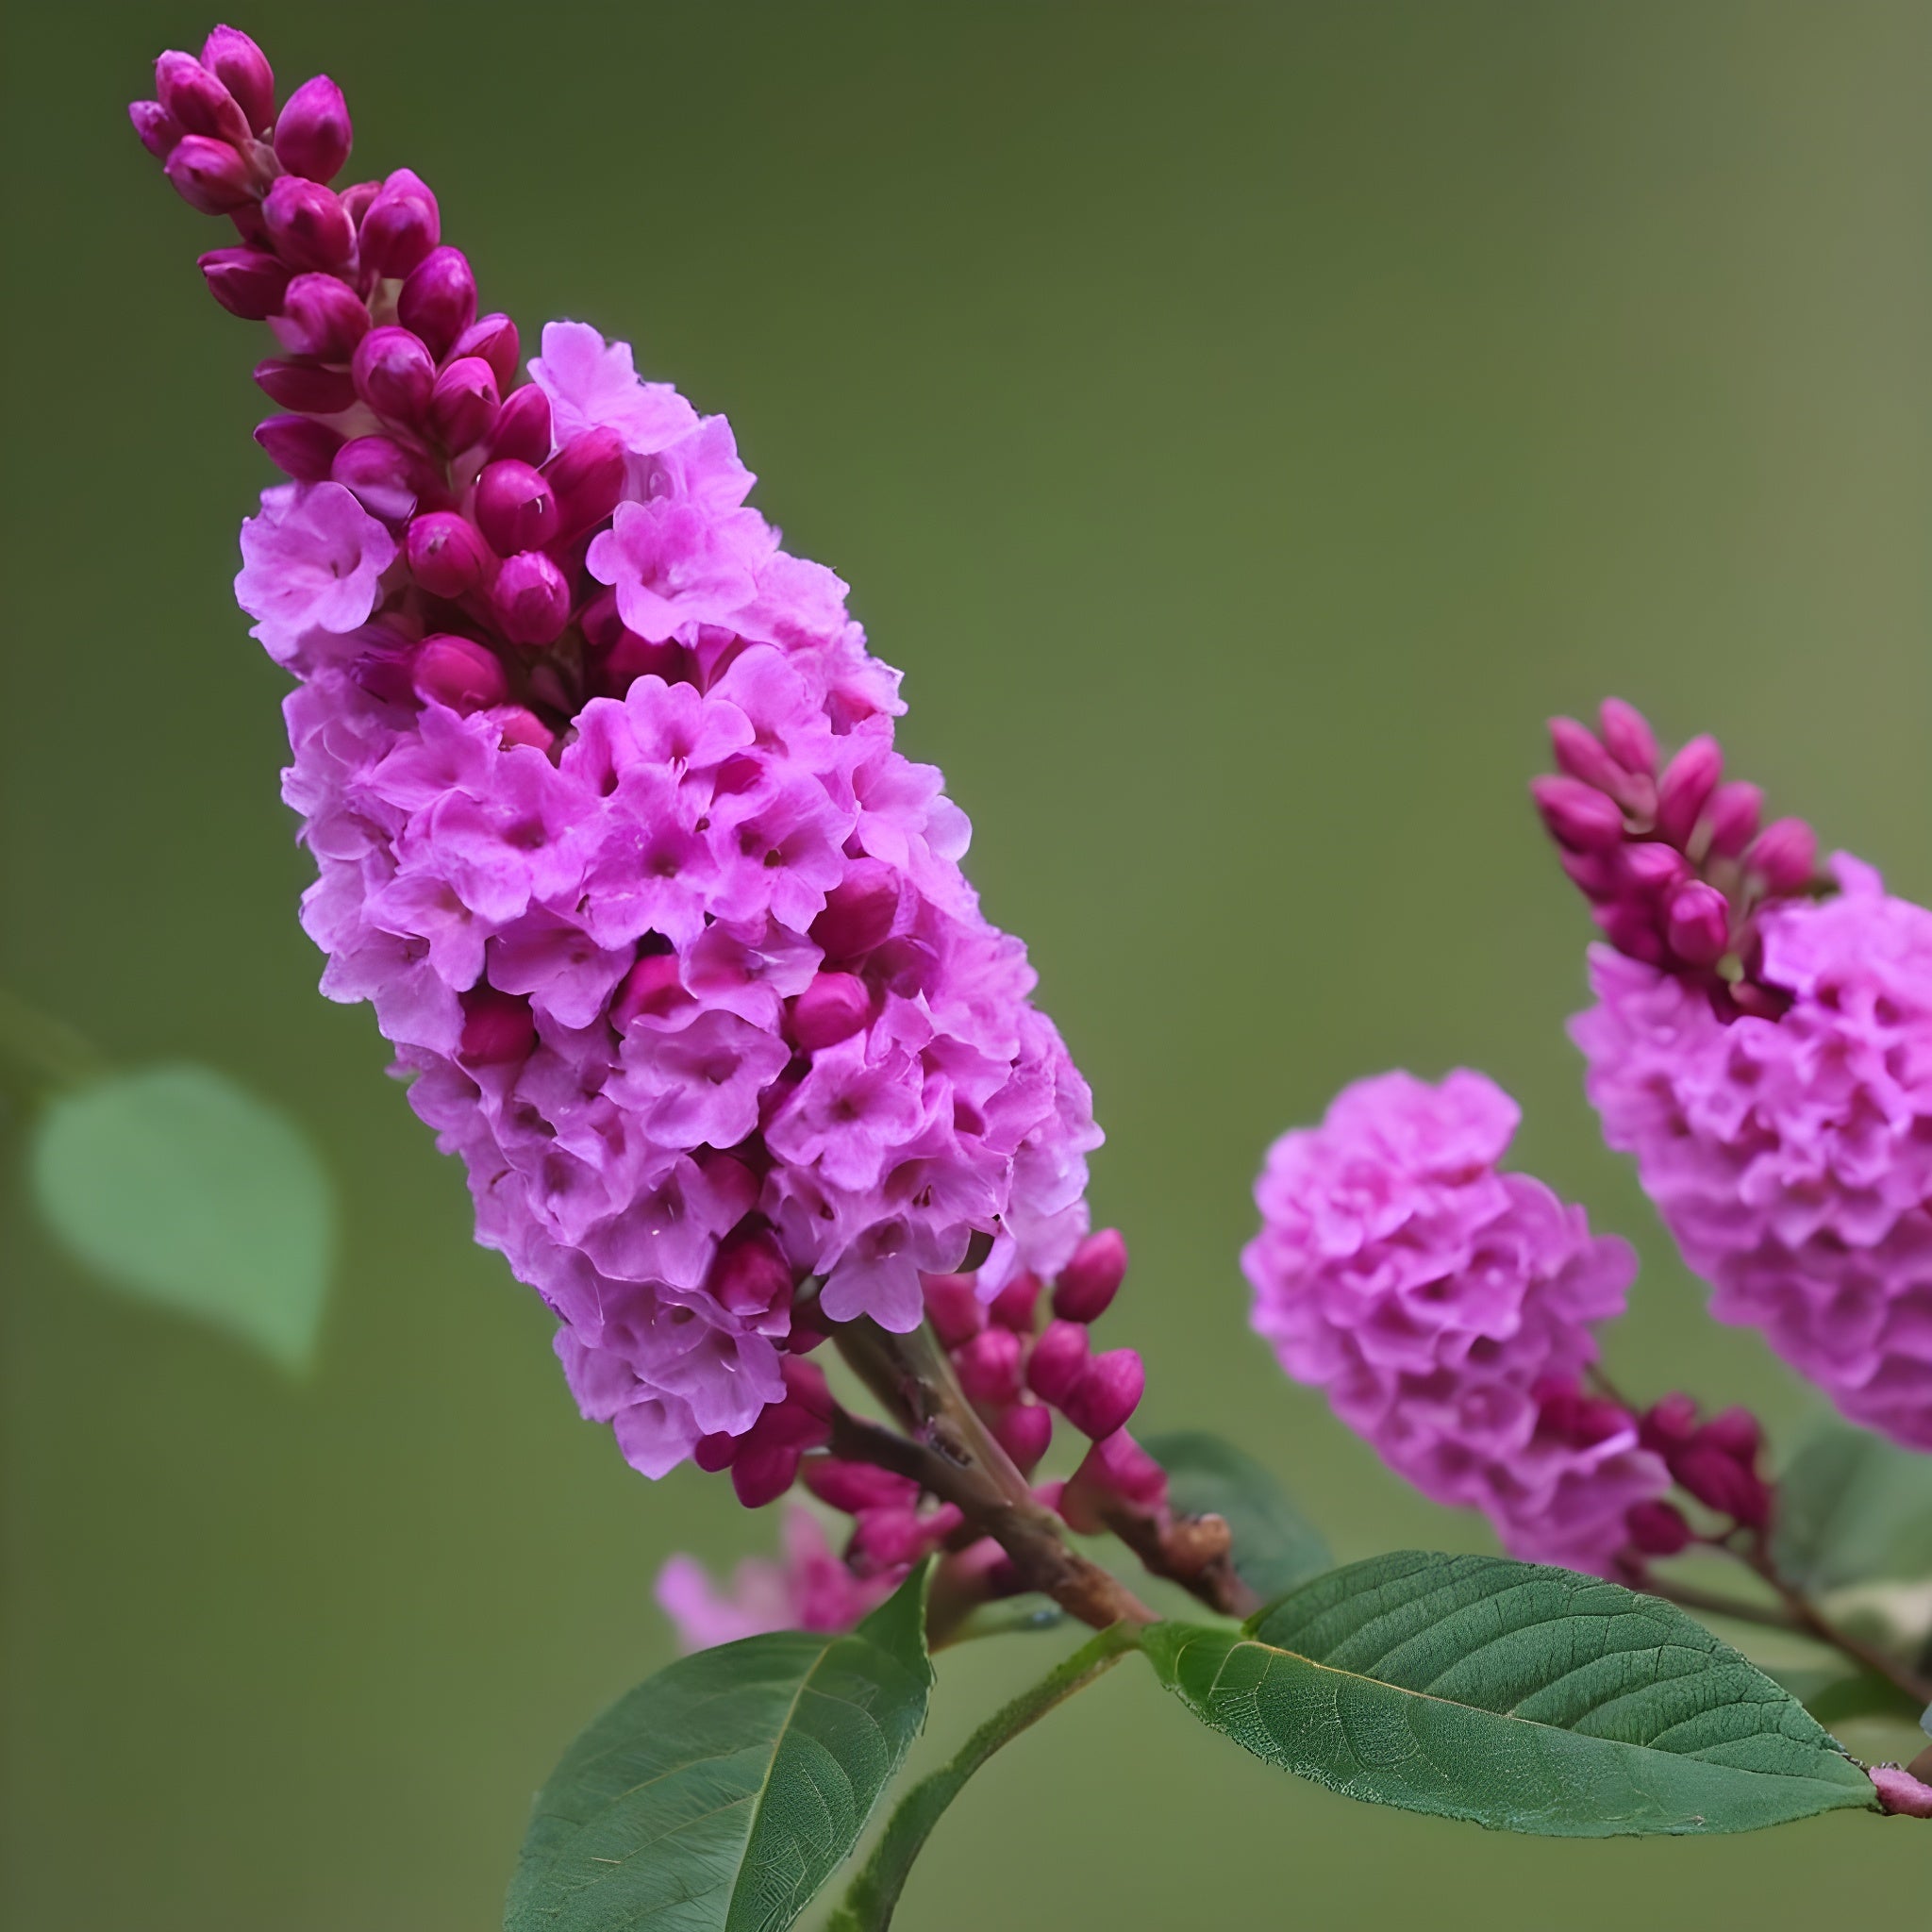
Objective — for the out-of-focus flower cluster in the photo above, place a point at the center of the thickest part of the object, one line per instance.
(672, 941)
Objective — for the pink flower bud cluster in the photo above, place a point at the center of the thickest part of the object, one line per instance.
(1714, 1463)
(1672, 862)
(1447, 1308)
(609, 823)
(1792, 1156)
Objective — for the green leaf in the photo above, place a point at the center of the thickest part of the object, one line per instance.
(1525, 1698)
(1276, 1546)
(1852, 1508)
(720, 1794)
(183, 1189)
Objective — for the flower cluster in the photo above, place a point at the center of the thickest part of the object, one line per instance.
(1446, 1307)
(610, 828)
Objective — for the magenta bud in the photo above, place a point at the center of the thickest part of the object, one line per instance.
(1723, 1484)
(493, 338)
(1017, 1305)
(530, 599)
(833, 1007)
(806, 1390)
(713, 1453)
(1685, 786)
(299, 447)
(462, 405)
(309, 225)
(1057, 1362)
(652, 990)
(1734, 814)
(523, 430)
(438, 299)
(1668, 1424)
(1090, 1281)
(322, 317)
(248, 282)
(306, 386)
(1654, 869)
(1699, 924)
(402, 225)
(209, 176)
(394, 374)
(1107, 1395)
(243, 68)
(1581, 753)
(860, 912)
(884, 1540)
(989, 1367)
(1657, 1529)
(312, 133)
(954, 1307)
(1902, 1794)
(447, 555)
(1628, 738)
(1576, 814)
(762, 1472)
(1115, 1468)
(384, 477)
(199, 102)
(855, 1486)
(588, 476)
(522, 726)
(158, 128)
(457, 672)
(1026, 1433)
(356, 200)
(497, 1027)
(750, 1274)
(515, 507)
(1785, 854)
(1737, 1433)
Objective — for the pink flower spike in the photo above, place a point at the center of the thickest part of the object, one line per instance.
(401, 227)
(493, 338)
(530, 599)
(1686, 789)
(1107, 1395)
(438, 299)
(523, 430)
(321, 316)
(309, 225)
(447, 553)
(394, 374)
(209, 176)
(198, 102)
(243, 68)
(1628, 738)
(462, 404)
(312, 135)
(1090, 1281)
(457, 672)
(158, 128)
(515, 508)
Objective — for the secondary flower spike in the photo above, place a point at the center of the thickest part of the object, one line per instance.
(1446, 1307)
(1772, 1071)
(610, 825)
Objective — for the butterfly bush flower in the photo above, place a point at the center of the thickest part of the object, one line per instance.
(610, 828)
(1762, 1046)
(1447, 1307)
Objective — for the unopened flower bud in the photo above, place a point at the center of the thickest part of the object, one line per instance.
(954, 1307)
(1721, 1482)
(531, 600)
(493, 338)
(651, 990)
(310, 227)
(1699, 924)
(807, 1391)
(209, 176)
(1654, 869)
(1668, 1424)
(299, 447)
(402, 225)
(457, 672)
(497, 1027)
(321, 316)
(1735, 809)
(859, 912)
(447, 553)
(1785, 854)
(887, 1540)
(521, 726)
(198, 100)
(1107, 1395)
(515, 508)
(438, 299)
(522, 431)
(855, 1486)
(243, 68)
(588, 476)
(1735, 1433)
(158, 128)
(1026, 1433)
(989, 1367)
(304, 386)
(1057, 1362)
(1902, 1794)
(833, 1007)
(1685, 786)
(394, 374)
(385, 477)
(763, 1473)
(1115, 1470)
(1657, 1529)
(1581, 753)
(312, 133)
(462, 405)
(1627, 737)
(248, 282)
(1578, 814)
(1090, 1281)
(751, 1275)
(713, 1453)
(1017, 1305)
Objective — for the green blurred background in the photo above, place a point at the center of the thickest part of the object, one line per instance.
(1243, 424)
